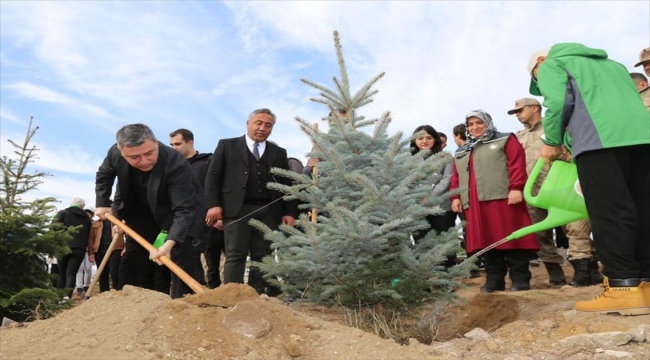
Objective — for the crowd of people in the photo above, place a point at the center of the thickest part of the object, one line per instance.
(594, 116)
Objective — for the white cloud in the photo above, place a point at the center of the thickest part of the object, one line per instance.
(65, 188)
(41, 93)
(8, 115)
(70, 170)
(443, 59)
(70, 159)
(206, 65)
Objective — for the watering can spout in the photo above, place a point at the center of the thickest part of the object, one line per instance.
(556, 217)
(560, 194)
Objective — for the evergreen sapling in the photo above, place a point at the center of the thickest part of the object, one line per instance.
(370, 195)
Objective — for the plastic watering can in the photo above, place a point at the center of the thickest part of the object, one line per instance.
(560, 194)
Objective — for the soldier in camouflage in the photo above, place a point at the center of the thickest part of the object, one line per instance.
(581, 248)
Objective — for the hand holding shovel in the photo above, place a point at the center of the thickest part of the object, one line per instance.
(187, 279)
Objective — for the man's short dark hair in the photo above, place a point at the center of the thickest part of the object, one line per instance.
(185, 134)
(638, 77)
(262, 111)
(459, 130)
(133, 135)
(442, 135)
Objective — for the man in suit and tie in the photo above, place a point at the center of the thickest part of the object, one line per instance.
(235, 191)
(156, 196)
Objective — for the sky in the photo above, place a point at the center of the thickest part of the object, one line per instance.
(84, 69)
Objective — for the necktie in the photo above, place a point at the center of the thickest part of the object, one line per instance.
(256, 152)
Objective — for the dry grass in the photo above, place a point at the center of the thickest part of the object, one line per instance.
(391, 324)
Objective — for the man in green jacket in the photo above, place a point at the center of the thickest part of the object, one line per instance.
(594, 109)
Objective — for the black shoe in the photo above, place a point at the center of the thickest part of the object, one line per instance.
(520, 287)
(582, 276)
(492, 286)
(272, 291)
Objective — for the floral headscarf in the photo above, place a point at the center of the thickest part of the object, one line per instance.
(491, 129)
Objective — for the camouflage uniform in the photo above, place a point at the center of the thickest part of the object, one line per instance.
(580, 244)
(645, 96)
(530, 139)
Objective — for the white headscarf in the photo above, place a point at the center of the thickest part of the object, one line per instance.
(487, 135)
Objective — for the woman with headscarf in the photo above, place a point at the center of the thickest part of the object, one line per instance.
(490, 170)
(427, 138)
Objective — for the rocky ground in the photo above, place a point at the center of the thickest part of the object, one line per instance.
(232, 322)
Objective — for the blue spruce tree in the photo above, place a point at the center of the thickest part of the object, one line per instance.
(370, 195)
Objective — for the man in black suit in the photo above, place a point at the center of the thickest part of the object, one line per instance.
(211, 237)
(156, 196)
(235, 190)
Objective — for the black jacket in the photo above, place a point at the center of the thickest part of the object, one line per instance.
(74, 216)
(200, 163)
(170, 182)
(225, 183)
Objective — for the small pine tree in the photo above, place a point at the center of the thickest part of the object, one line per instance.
(370, 196)
(26, 235)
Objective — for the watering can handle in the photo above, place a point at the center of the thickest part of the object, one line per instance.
(532, 178)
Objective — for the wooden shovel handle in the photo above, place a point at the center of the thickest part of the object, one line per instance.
(187, 279)
(111, 247)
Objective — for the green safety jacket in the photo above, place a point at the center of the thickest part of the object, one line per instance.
(591, 102)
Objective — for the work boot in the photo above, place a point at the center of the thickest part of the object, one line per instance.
(645, 289)
(623, 296)
(518, 268)
(495, 271)
(522, 286)
(596, 276)
(492, 285)
(555, 273)
(582, 275)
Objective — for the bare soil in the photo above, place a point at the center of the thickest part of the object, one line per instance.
(232, 322)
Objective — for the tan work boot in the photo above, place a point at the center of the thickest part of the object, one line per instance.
(645, 289)
(625, 300)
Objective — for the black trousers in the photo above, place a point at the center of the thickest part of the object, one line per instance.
(112, 268)
(212, 255)
(616, 186)
(68, 267)
(242, 240)
(189, 259)
(440, 223)
(500, 262)
(136, 269)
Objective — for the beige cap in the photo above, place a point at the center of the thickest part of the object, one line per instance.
(644, 56)
(523, 102)
(533, 59)
(533, 89)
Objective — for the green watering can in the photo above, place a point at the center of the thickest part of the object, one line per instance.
(560, 194)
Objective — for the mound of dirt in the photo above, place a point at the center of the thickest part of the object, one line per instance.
(233, 322)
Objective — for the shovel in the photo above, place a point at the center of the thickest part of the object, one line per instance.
(111, 247)
(560, 194)
(187, 279)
